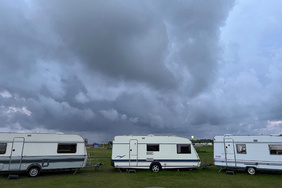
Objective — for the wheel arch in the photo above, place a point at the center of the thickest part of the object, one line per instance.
(34, 165)
(156, 163)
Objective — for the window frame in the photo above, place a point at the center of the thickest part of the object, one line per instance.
(242, 151)
(67, 148)
(180, 146)
(3, 148)
(153, 147)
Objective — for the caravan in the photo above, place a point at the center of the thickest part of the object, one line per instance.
(153, 152)
(34, 153)
(250, 153)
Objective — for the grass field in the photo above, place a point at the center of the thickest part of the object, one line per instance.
(109, 177)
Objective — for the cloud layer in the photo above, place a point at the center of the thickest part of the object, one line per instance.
(101, 69)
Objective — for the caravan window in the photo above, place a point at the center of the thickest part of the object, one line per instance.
(66, 148)
(3, 147)
(183, 148)
(275, 149)
(153, 147)
(241, 148)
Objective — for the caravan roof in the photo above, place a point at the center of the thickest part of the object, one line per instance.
(249, 138)
(151, 139)
(42, 137)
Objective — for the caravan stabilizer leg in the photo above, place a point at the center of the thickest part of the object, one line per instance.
(76, 170)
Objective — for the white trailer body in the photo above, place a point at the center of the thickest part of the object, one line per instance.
(251, 153)
(154, 152)
(41, 151)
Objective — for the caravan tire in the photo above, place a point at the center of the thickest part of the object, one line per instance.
(251, 170)
(33, 171)
(155, 167)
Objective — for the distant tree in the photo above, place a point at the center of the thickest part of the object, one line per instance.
(110, 143)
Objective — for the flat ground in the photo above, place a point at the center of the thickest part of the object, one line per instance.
(107, 176)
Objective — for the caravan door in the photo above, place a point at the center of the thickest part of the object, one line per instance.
(16, 153)
(229, 152)
(133, 152)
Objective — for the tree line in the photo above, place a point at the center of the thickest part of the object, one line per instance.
(202, 141)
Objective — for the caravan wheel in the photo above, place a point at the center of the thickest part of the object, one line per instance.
(33, 171)
(251, 170)
(155, 167)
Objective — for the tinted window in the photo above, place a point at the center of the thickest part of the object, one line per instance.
(3, 147)
(66, 148)
(183, 148)
(275, 149)
(153, 147)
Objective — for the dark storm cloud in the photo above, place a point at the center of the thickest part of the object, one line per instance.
(122, 39)
(194, 27)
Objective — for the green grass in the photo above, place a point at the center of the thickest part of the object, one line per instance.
(107, 176)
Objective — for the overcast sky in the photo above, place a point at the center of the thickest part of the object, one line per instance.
(163, 67)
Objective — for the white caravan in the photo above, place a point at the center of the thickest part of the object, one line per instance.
(153, 152)
(251, 153)
(34, 153)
